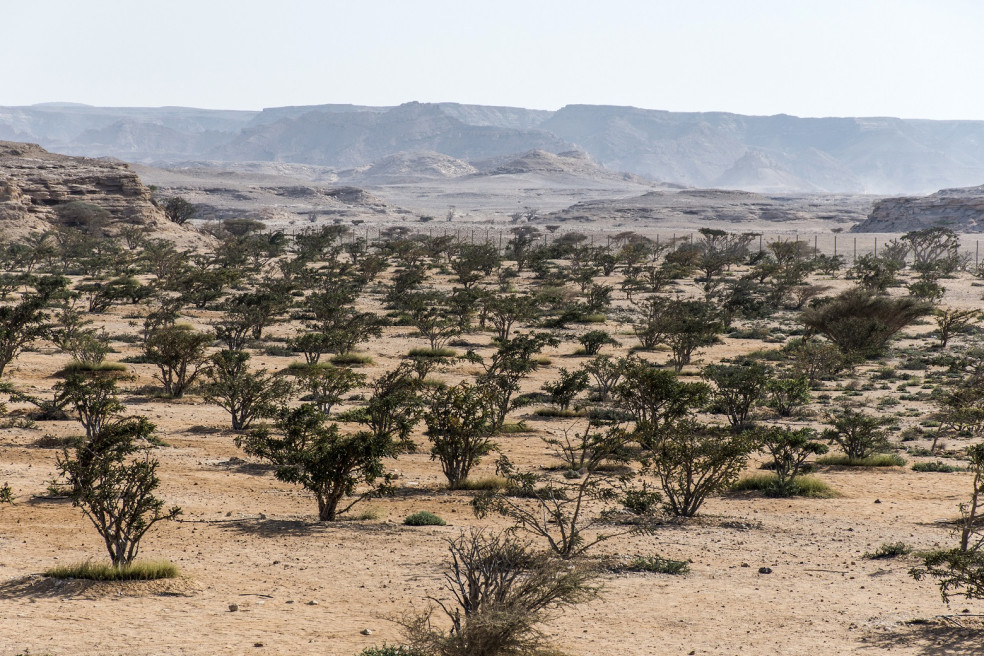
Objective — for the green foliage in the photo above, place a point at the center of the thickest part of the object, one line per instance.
(789, 448)
(246, 395)
(151, 570)
(499, 592)
(861, 323)
(424, 518)
(860, 435)
(179, 352)
(693, 461)
(327, 384)
(785, 394)
(655, 397)
(178, 210)
(736, 388)
(315, 454)
(889, 550)
(113, 480)
(937, 466)
(593, 340)
(659, 565)
(876, 460)
(459, 424)
(563, 390)
(768, 483)
(26, 320)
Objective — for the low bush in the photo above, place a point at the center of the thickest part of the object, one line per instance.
(424, 518)
(768, 484)
(938, 466)
(877, 460)
(659, 565)
(432, 353)
(391, 650)
(351, 359)
(485, 483)
(889, 550)
(149, 570)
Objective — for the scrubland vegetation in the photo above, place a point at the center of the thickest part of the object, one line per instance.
(599, 353)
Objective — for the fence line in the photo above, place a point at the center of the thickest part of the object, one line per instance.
(848, 245)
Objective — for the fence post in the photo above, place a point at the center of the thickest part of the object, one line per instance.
(835, 245)
(815, 241)
(876, 246)
(855, 256)
(760, 242)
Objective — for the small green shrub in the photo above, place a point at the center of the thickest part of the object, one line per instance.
(351, 359)
(6, 494)
(391, 650)
(485, 483)
(768, 484)
(889, 550)
(659, 565)
(149, 570)
(877, 460)
(938, 466)
(424, 518)
(432, 353)
(517, 427)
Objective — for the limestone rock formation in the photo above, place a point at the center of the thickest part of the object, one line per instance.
(35, 183)
(961, 210)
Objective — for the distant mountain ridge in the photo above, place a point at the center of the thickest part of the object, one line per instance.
(765, 154)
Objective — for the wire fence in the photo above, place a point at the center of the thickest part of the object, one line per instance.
(850, 246)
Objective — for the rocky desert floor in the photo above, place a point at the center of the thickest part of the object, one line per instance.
(304, 587)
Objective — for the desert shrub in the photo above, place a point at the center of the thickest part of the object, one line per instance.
(113, 480)
(875, 460)
(315, 454)
(6, 493)
(736, 388)
(950, 322)
(93, 396)
(424, 518)
(659, 565)
(937, 466)
(563, 390)
(694, 460)
(459, 425)
(178, 210)
(593, 340)
(785, 394)
(136, 571)
(351, 359)
(815, 360)
(587, 450)
(556, 511)
(246, 395)
(789, 450)
(25, 321)
(768, 484)
(179, 352)
(888, 550)
(860, 322)
(656, 397)
(860, 435)
(960, 571)
(327, 384)
(500, 592)
(391, 650)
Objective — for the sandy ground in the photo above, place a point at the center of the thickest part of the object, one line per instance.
(303, 587)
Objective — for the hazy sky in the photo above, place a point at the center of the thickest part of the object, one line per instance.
(908, 58)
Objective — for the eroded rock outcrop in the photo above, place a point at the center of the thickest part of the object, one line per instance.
(961, 210)
(35, 183)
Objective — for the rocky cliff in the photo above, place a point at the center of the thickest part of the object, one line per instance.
(34, 184)
(961, 210)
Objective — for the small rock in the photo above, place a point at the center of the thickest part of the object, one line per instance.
(312, 603)
(233, 608)
(257, 644)
(765, 570)
(745, 565)
(877, 500)
(366, 632)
